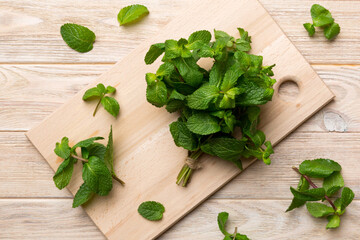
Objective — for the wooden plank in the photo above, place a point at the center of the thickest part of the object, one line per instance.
(29, 32)
(25, 102)
(144, 146)
(260, 219)
(24, 173)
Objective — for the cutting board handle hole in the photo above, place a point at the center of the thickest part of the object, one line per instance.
(288, 90)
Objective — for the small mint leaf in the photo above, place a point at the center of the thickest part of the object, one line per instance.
(131, 14)
(83, 195)
(77, 37)
(318, 209)
(309, 28)
(334, 221)
(151, 210)
(319, 168)
(111, 105)
(154, 52)
(63, 174)
(62, 149)
(332, 31)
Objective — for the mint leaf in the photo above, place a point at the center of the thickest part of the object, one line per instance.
(230, 78)
(131, 14)
(202, 97)
(244, 42)
(110, 89)
(63, 174)
(97, 176)
(111, 105)
(347, 196)
(222, 219)
(83, 195)
(202, 36)
(183, 137)
(303, 184)
(309, 28)
(92, 93)
(151, 210)
(154, 52)
(319, 168)
(97, 150)
(254, 94)
(313, 194)
(156, 93)
(86, 143)
(295, 203)
(189, 71)
(319, 210)
(332, 31)
(77, 37)
(109, 153)
(334, 221)
(333, 183)
(226, 148)
(203, 124)
(321, 16)
(62, 149)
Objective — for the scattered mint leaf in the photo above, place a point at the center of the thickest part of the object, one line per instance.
(77, 37)
(332, 31)
(151, 210)
(131, 14)
(110, 104)
(319, 209)
(310, 29)
(83, 195)
(334, 221)
(319, 168)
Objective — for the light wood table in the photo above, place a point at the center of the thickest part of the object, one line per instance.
(38, 73)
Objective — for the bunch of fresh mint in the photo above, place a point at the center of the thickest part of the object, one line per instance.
(97, 171)
(212, 103)
(329, 170)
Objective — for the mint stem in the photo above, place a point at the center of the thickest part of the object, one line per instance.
(314, 186)
(235, 233)
(97, 106)
(186, 171)
(85, 160)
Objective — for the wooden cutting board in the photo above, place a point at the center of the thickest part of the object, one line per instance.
(146, 157)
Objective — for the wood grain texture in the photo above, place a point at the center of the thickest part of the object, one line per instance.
(30, 93)
(45, 219)
(25, 174)
(29, 30)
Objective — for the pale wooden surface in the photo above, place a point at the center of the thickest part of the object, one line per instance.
(37, 76)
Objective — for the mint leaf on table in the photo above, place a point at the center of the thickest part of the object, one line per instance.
(319, 168)
(83, 195)
(77, 37)
(110, 104)
(131, 14)
(151, 210)
(309, 28)
(332, 183)
(97, 162)
(322, 18)
(215, 103)
(222, 219)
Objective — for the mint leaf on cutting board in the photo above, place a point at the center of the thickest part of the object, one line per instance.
(151, 210)
(78, 37)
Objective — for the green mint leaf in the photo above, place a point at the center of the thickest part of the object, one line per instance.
(62, 149)
(321, 16)
(111, 105)
(240, 237)
(131, 14)
(83, 195)
(258, 138)
(216, 74)
(174, 105)
(318, 209)
(86, 143)
(92, 93)
(109, 154)
(333, 183)
(226, 148)
(334, 221)
(183, 137)
(319, 168)
(77, 37)
(176, 95)
(347, 196)
(203, 36)
(101, 88)
(268, 151)
(309, 28)
(97, 176)
(332, 31)
(230, 78)
(203, 124)
(97, 150)
(156, 93)
(152, 211)
(313, 194)
(303, 184)
(189, 71)
(172, 49)
(253, 94)
(244, 42)
(202, 97)
(222, 219)
(154, 52)
(63, 174)
(165, 69)
(295, 203)
(110, 89)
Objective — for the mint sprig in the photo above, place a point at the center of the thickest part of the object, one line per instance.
(97, 171)
(329, 170)
(110, 104)
(322, 18)
(213, 103)
(78, 37)
(222, 219)
(131, 14)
